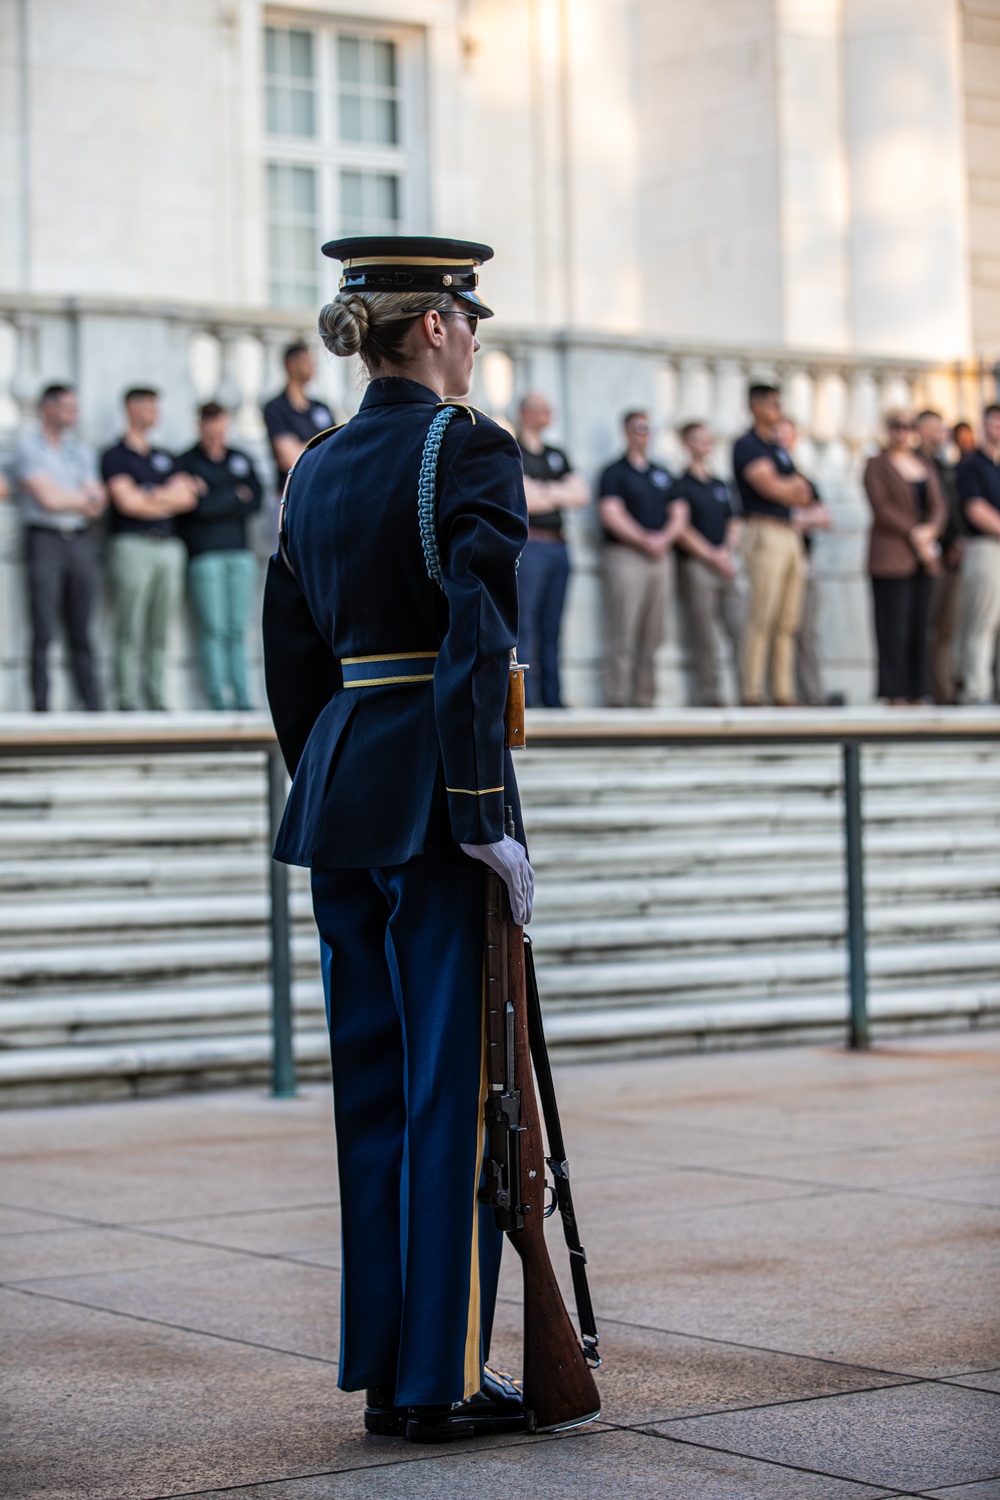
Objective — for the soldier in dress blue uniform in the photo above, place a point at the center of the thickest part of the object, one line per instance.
(387, 647)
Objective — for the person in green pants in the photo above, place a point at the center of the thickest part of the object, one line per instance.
(221, 567)
(146, 557)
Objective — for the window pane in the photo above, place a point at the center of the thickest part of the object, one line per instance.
(349, 59)
(385, 122)
(303, 190)
(300, 54)
(352, 205)
(387, 197)
(384, 63)
(273, 115)
(290, 90)
(369, 202)
(293, 234)
(351, 128)
(303, 121)
(368, 90)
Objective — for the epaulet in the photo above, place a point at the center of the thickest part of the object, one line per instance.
(314, 442)
(470, 411)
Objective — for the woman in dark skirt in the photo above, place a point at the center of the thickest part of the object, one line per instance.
(908, 516)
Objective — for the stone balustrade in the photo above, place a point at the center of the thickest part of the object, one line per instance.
(194, 353)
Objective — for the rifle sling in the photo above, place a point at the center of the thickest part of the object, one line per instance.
(557, 1161)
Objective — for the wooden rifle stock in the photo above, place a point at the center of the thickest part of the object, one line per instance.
(559, 1388)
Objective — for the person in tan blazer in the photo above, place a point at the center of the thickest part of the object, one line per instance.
(908, 517)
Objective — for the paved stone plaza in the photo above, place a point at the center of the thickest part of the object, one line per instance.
(795, 1265)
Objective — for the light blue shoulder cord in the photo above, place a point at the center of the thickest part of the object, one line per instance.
(427, 493)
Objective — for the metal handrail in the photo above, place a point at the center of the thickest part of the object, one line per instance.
(28, 736)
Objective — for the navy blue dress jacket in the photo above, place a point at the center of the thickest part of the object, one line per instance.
(381, 774)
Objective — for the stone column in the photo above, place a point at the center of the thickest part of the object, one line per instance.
(908, 242)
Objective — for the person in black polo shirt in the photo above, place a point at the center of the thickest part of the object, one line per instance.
(221, 568)
(550, 487)
(977, 484)
(293, 417)
(146, 559)
(946, 600)
(706, 564)
(641, 524)
(773, 552)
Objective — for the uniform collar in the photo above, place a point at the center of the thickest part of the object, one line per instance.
(395, 390)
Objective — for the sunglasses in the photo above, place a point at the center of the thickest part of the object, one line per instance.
(456, 313)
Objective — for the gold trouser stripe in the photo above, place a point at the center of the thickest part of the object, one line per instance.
(383, 681)
(464, 791)
(474, 1326)
(357, 661)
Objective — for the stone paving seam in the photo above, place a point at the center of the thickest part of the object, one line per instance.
(405, 1459)
(879, 1491)
(734, 1411)
(900, 1376)
(170, 1239)
(204, 1333)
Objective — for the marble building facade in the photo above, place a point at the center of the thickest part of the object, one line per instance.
(682, 194)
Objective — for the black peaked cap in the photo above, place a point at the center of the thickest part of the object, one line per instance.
(411, 263)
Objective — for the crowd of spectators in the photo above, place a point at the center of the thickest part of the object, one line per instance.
(739, 555)
(151, 522)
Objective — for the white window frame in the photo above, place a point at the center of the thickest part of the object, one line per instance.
(327, 154)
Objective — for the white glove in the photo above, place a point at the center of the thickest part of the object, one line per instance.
(510, 861)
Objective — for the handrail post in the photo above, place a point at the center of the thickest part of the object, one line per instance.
(282, 1057)
(855, 860)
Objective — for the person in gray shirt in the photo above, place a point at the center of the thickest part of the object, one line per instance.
(60, 496)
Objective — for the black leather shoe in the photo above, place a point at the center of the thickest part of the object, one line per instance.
(497, 1407)
(381, 1416)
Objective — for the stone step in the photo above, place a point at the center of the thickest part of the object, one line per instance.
(821, 886)
(47, 1074)
(742, 974)
(602, 784)
(86, 920)
(70, 918)
(145, 1014)
(68, 835)
(762, 813)
(100, 875)
(124, 795)
(107, 966)
(111, 942)
(593, 940)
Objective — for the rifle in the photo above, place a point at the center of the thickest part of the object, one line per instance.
(559, 1390)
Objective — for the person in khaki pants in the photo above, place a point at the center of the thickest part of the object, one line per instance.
(978, 486)
(773, 552)
(640, 524)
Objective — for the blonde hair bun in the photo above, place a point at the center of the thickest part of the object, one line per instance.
(343, 326)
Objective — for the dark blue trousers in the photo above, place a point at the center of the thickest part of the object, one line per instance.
(542, 576)
(420, 1256)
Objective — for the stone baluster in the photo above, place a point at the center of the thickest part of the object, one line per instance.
(26, 379)
(695, 396)
(496, 373)
(274, 341)
(861, 427)
(229, 392)
(203, 364)
(730, 414)
(8, 359)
